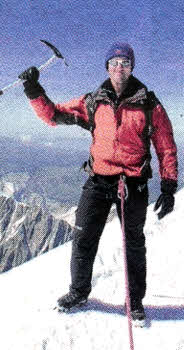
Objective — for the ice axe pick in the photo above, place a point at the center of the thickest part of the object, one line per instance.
(57, 54)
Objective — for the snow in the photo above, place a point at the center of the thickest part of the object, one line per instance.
(29, 293)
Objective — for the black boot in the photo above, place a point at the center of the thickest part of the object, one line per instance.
(69, 301)
(138, 313)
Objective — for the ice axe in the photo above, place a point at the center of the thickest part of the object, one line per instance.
(57, 54)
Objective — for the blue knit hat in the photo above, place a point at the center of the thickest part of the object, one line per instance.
(120, 50)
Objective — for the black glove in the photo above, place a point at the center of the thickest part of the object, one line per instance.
(31, 75)
(166, 200)
(32, 88)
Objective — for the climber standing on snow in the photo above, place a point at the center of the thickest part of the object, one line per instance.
(123, 117)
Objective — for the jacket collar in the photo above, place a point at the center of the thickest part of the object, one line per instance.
(136, 92)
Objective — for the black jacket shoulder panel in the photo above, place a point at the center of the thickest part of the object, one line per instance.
(153, 100)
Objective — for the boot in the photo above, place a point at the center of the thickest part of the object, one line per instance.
(70, 301)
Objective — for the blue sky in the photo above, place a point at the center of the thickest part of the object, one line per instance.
(83, 31)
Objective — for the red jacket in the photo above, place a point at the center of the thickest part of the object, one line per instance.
(118, 144)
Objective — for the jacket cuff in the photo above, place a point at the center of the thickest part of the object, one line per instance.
(168, 186)
(33, 90)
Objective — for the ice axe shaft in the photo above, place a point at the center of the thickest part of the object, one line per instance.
(19, 81)
(46, 64)
(57, 54)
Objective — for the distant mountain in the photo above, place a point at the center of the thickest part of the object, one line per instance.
(26, 232)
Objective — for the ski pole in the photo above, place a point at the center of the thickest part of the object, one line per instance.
(122, 193)
(57, 54)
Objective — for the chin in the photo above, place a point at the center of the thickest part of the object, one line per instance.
(121, 78)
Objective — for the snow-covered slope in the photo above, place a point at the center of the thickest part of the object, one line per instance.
(28, 294)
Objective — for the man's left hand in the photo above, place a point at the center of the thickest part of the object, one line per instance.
(166, 202)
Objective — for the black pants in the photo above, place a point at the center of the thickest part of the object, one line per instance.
(99, 193)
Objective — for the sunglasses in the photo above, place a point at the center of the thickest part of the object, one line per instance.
(123, 63)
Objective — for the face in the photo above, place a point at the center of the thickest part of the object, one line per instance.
(119, 69)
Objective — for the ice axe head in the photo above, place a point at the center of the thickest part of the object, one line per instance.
(57, 53)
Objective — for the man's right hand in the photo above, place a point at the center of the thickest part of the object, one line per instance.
(32, 88)
(31, 75)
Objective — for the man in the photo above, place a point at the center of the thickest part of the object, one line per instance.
(122, 116)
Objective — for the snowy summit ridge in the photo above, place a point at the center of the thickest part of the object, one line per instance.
(29, 293)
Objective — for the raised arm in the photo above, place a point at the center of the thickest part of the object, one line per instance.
(72, 112)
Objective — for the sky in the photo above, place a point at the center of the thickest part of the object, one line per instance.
(83, 31)
(29, 293)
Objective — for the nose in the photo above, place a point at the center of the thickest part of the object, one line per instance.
(119, 64)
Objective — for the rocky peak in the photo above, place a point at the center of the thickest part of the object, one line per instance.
(26, 232)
